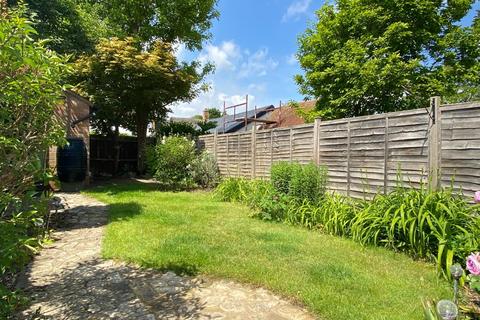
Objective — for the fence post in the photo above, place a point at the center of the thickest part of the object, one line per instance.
(348, 158)
(434, 143)
(254, 151)
(316, 138)
(385, 157)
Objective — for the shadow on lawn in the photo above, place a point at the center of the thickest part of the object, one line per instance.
(118, 186)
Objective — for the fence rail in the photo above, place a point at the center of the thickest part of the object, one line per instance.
(365, 155)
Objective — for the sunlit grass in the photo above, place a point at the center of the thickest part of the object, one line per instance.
(333, 277)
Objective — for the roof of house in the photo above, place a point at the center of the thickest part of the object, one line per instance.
(287, 117)
(232, 126)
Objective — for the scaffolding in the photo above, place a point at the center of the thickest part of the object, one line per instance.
(245, 119)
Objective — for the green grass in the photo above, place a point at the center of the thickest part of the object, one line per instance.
(333, 277)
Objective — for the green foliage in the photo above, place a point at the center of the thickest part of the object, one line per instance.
(27, 125)
(206, 126)
(438, 226)
(72, 26)
(205, 172)
(281, 175)
(185, 21)
(173, 158)
(308, 182)
(372, 56)
(30, 82)
(9, 302)
(174, 128)
(214, 113)
(133, 87)
(300, 182)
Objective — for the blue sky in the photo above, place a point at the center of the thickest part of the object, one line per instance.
(253, 47)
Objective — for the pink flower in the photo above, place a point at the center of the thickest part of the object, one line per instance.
(473, 263)
(477, 197)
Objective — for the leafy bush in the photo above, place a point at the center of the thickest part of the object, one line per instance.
(281, 175)
(31, 87)
(205, 171)
(308, 182)
(183, 129)
(439, 226)
(171, 162)
(300, 182)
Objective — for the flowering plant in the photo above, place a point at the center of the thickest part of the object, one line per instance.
(477, 197)
(473, 266)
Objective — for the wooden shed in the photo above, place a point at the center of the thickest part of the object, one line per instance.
(74, 114)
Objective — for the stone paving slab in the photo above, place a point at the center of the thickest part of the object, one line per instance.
(69, 280)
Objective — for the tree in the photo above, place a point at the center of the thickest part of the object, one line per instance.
(72, 26)
(371, 56)
(214, 113)
(133, 87)
(185, 21)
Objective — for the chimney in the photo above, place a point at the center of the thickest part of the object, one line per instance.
(205, 115)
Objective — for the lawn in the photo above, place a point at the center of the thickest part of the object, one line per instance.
(333, 277)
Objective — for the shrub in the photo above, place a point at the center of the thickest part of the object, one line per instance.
(308, 182)
(205, 172)
(31, 87)
(171, 128)
(171, 162)
(437, 225)
(300, 182)
(281, 175)
(440, 226)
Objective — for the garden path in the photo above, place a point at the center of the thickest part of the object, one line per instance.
(69, 280)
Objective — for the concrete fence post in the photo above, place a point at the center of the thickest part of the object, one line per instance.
(434, 143)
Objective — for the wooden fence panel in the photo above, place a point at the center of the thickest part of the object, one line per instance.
(263, 153)
(366, 155)
(407, 151)
(302, 144)
(460, 148)
(333, 152)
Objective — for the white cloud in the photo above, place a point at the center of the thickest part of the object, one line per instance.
(258, 64)
(224, 56)
(234, 100)
(296, 9)
(292, 59)
(257, 87)
(238, 72)
(180, 50)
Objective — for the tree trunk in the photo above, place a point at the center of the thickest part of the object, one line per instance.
(116, 150)
(142, 126)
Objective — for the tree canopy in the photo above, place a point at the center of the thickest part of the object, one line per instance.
(214, 113)
(185, 21)
(133, 87)
(369, 56)
(72, 26)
